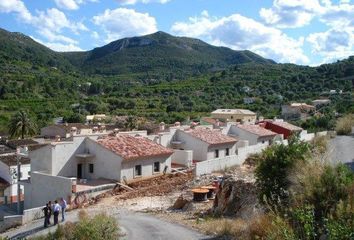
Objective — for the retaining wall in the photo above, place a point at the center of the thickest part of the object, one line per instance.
(10, 222)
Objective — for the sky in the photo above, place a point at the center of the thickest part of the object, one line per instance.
(306, 32)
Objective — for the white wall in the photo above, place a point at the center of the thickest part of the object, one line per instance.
(5, 172)
(200, 148)
(218, 164)
(128, 166)
(182, 157)
(44, 187)
(244, 135)
(222, 150)
(41, 159)
(106, 163)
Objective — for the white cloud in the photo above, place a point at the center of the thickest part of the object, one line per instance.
(291, 13)
(71, 4)
(17, 6)
(239, 32)
(67, 4)
(339, 16)
(132, 2)
(60, 47)
(332, 44)
(123, 22)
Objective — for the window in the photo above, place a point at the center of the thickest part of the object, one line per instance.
(137, 170)
(216, 153)
(91, 168)
(227, 152)
(232, 117)
(156, 166)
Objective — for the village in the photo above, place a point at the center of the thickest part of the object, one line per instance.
(83, 162)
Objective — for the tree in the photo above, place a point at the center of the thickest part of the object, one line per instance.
(21, 125)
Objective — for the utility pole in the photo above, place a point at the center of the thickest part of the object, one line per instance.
(18, 181)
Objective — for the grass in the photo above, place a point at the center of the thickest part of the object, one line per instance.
(344, 125)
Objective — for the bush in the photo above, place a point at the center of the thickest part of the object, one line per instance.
(100, 226)
(272, 171)
(344, 125)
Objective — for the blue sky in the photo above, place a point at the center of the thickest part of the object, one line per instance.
(308, 32)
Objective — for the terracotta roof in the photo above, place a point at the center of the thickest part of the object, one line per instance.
(212, 137)
(132, 148)
(287, 125)
(10, 159)
(4, 183)
(257, 130)
(67, 126)
(212, 121)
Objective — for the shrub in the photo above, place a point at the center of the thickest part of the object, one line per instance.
(100, 226)
(272, 171)
(344, 125)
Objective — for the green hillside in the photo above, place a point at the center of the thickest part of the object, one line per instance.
(159, 56)
(158, 76)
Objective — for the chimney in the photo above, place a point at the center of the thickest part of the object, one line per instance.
(162, 126)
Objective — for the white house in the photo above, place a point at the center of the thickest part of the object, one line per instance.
(9, 176)
(205, 143)
(235, 115)
(254, 134)
(59, 168)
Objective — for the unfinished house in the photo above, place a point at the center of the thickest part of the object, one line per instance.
(297, 111)
(9, 176)
(205, 143)
(254, 134)
(63, 169)
(235, 115)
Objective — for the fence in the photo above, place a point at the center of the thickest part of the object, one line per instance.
(217, 164)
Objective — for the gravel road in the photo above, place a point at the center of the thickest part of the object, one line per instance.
(134, 226)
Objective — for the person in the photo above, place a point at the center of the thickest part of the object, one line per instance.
(63, 206)
(50, 208)
(56, 212)
(46, 210)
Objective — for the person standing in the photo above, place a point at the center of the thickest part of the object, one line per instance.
(56, 212)
(46, 210)
(50, 209)
(63, 206)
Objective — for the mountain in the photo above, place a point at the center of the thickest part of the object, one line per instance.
(19, 49)
(159, 54)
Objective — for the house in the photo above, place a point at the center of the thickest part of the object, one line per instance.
(205, 143)
(73, 129)
(280, 127)
(62, 169)
(297, 111)
(254, 134)
(9, 176)
(235, 115)
(95, 118)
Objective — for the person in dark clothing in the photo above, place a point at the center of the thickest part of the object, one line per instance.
(56, 212)
(46, 210)
(50, 211)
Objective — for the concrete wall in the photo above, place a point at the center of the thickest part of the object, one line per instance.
(128, 167)
(245, 135)
(199, 148)
(32, 214)
(44, 187)
(220, 164)
(41, 159)
(106, 164)
(321, 134)
(5, 172)
(182, 157)
(304, 136)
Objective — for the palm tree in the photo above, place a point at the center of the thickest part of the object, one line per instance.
(21, 125)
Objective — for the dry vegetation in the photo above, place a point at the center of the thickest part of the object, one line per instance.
(344, 125)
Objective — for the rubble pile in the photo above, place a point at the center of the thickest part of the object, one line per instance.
(156, 186)
(237, 198)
